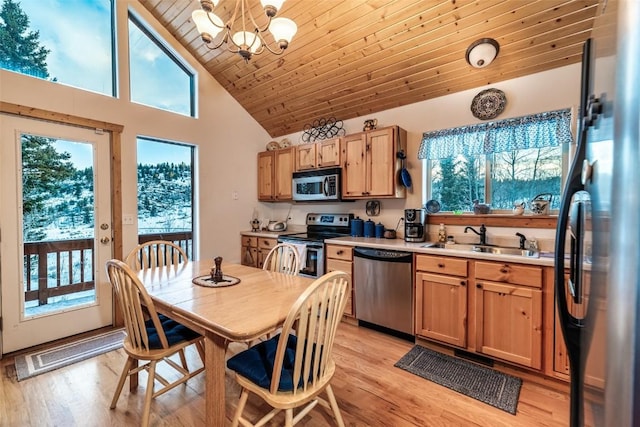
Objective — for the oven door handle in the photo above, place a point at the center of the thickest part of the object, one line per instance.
(301, 242)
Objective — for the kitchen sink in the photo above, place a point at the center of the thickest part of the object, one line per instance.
(490, 249)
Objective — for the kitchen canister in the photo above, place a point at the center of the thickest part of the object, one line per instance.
(357, 227)
(379, 230)
(369, 228)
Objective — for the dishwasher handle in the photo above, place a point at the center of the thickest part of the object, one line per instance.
(383, 255)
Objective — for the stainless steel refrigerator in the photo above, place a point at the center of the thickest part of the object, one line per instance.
(598, 301)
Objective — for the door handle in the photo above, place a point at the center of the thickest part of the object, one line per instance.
(105, 240)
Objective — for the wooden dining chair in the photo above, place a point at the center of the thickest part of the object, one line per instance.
(155, 253)
(283, 258)
(292, 369)
(151, 338)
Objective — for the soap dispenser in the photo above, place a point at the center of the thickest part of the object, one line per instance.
(442, 234)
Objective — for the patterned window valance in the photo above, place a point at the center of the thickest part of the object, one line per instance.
(536, 131)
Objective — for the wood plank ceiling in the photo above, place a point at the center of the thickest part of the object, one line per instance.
(353, 58)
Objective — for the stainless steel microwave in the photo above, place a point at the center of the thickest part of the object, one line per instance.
(317, 185)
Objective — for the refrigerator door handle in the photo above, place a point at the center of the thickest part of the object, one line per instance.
(576, 225)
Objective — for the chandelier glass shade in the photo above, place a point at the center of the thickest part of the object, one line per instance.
(248, 39)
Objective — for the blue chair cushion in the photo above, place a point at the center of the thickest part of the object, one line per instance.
(256, 363)
(174, 331)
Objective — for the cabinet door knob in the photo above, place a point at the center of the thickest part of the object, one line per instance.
(463, 283)
(440, 265)
(340, 252)
(504, 270)
(479, 285)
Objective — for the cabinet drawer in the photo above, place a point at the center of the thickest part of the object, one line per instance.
(335, 265)
(517, 274)
(266, 243)
(442, 265)
(249, 241)
(339, 252)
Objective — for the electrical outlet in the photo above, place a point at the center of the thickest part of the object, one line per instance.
(127, 219)
(235, 195)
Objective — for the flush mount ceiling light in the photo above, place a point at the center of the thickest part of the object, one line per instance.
(482, 52)
(249, 39)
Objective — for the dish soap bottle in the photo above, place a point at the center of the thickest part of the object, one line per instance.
(442, 234)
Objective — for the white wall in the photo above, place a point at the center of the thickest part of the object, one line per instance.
(226, 137)
(547, 91)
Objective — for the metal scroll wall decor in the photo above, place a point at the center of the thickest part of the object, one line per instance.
(323, 129)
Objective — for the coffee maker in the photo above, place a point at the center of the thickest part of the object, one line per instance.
(413, 225)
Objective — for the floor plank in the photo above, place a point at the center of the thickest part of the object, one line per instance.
(369, 390)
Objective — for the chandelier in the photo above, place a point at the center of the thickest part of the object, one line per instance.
(249, 39)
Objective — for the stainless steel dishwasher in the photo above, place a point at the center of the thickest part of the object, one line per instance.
(384, 288)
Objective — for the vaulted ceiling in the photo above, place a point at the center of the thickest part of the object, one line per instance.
(352, 58)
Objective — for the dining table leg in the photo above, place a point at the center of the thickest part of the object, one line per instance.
(214, 350)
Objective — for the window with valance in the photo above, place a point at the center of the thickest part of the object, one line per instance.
(501, 163)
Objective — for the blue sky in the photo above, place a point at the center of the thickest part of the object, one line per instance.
(78, 34)
(148, 152)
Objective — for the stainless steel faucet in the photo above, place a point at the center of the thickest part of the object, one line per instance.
(482, 233)
(523, 239)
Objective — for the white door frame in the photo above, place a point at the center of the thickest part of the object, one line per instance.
(18, 331)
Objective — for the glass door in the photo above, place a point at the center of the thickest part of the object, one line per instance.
(56, 231)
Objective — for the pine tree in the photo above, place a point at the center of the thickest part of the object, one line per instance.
(44, 171)
(20, 49)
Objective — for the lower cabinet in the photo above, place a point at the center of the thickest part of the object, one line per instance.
(255, 249)
(341, 258)
(509, 312)
(441, 300)
(500, 303)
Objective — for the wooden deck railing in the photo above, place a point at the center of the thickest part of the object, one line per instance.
(56, 268)
(63, 267)
(184, 239)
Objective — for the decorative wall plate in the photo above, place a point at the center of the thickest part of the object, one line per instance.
(488, 104)
(273, 145)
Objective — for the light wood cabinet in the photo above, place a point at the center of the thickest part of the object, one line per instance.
(275, 169)
(484, 307)
(255, 249)
(249, 251)
(318, 155)
(306, 156)
(341, 258)
(329, 153)
(371, 165)
(441, 299)
(509, 312)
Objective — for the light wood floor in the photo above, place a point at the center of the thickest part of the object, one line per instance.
(369, 390)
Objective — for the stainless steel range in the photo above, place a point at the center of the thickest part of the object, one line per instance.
(310, 245)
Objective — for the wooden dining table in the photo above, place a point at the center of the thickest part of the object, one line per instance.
(256, 305)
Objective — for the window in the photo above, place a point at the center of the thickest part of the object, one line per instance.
(499, 163)
(157, 77)
(70, 42)
(165, 192)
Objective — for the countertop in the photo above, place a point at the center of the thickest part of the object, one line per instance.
(401, 245)
(546, 258)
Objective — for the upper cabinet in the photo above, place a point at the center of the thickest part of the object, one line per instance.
(275, 169)
(318, 155)
(371, 165)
